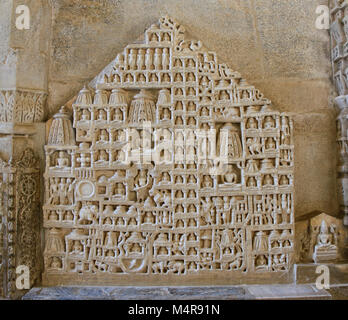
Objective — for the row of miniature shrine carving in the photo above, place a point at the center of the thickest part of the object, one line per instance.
(143, 59)
(121, 135)
(275, 262)
(264, 241)
(158, 35)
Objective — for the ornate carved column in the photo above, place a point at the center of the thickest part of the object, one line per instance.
(23, 95)
(339, 44)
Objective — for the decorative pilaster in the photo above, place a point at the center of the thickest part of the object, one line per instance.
(20, 221)
(339, 55)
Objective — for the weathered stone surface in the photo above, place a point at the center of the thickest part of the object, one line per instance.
(291, 44)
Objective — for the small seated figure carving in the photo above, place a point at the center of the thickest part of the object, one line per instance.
(120, 156)
(230, 176)
(56, 263)
(191, 194)
(108, 221)
(269, 123)
(62, 161)
(102, 115)
(179, 180)
(179, 209)
(192, 223)
(85, 115)
(191, 106)
(119, 221)
(261, 263)
(207, 182)
(165, 178)
(191, 121)
(205, 112)
(179, 194)
(179, 121)
(53, 216)
(132, 222)
(251, 182)
(149, 218)
(77, 247)
(191, 179)
(120, 189)
(270, 144)
(166, 114)
(162, 251)
(191, 209)
(69, 216)
(268, 180)
(121, 136)
(180, 224)
(251, 123)
(325, 248)
(283, 180)
(103, 156)
(192, 252)
(118, 115)
(166, 77)
(103, 137)
(178, 106)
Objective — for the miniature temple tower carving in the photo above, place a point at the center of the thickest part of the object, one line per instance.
(174, 166)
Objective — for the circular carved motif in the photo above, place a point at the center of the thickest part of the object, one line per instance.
(85, 189)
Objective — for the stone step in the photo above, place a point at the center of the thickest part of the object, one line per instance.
(243, 292)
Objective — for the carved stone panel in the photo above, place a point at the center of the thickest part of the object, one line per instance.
(178, 169)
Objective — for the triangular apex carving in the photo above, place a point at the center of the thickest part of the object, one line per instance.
(178, 169)
(147, 64)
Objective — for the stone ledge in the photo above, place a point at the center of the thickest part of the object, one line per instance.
(251, 292)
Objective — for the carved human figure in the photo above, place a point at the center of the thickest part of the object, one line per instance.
(230, 176)
(252, 123)
(269, 123)
(56, 263)
(54, 191)
(101, 115)
(103, 137)
(62, 160)
(325, 248)
(76, 247)
(285, 131)
(207, 182)
(118, 115)
(85, 115)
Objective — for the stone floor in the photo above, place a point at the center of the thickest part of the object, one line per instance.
(243, 292)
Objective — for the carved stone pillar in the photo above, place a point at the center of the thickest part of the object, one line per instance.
(339, 44)
(20, 217)
(23, 95)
